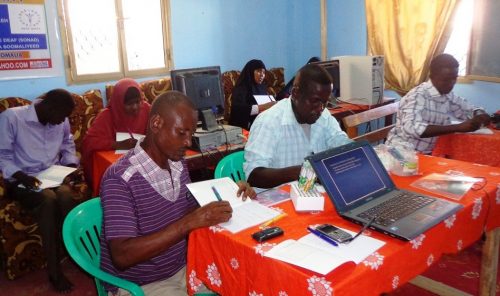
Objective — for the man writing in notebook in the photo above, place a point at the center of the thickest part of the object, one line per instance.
(424, 112)
(35, 137)
(294, 128)
(147, 209)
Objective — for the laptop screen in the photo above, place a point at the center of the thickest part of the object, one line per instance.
(351, 174)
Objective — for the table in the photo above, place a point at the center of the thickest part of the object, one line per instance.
(342, 110)
(196, 160)
(233, 264)
(477, 148)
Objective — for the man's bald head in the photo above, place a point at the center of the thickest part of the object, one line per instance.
(168, 101)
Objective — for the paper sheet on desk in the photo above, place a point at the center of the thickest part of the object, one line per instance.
(313, 253)
(124, 136)
(480, 131)
(245, 213)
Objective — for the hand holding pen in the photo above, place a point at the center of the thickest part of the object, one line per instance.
(29, 182)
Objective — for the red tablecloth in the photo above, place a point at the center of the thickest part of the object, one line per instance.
(233, 264)
(478, 148)
(195, 161)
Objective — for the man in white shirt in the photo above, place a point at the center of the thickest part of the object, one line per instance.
(425, 112)
(294, 128)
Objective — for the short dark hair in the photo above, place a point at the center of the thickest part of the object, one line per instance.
(169, 100)
(59, 99)
(443, 60)
(311, 72)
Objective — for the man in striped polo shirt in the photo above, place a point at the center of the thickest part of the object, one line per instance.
(148, 211)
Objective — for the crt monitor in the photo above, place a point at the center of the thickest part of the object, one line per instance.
(332, 67)
(202, 85)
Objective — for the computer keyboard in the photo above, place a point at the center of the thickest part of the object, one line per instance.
(396, 208)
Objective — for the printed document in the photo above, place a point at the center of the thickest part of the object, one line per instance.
(262, 99)
(246, 213)
(53, 176)
(313, 253)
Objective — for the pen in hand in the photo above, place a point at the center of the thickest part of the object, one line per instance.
(217, 195)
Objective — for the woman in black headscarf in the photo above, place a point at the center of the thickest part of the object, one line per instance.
(244, 107)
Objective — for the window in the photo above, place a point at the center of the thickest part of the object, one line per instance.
(459, 43)
(111, 39)
(474, 41)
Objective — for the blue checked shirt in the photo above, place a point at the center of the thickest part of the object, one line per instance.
(424, 106)
(277, 140)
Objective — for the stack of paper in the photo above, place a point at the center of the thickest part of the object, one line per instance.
(245, 213)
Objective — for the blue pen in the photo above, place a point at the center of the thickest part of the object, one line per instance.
(322, 236)
(216, 193)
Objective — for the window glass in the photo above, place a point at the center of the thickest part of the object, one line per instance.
(143, 34)
(94, 36)
(458, 44)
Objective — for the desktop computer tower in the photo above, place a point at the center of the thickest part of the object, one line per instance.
(361, 79)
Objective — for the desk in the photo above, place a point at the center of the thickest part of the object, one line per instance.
(195, 161)
(477, 148)
(342, 110)
(233, 264)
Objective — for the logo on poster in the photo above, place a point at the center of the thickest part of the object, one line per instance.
(30, 18)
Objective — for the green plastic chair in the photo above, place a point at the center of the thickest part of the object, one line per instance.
(81, 233)
(231, 166)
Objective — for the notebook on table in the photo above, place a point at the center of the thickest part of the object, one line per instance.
(362, 191)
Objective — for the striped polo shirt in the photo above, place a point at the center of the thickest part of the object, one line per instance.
(139, 198)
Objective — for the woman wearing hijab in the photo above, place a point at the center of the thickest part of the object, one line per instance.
(244, 107)
(127, 112)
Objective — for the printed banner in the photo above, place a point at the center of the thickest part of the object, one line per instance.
(25, 49)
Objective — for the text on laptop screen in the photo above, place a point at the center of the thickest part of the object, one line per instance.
(354, 175)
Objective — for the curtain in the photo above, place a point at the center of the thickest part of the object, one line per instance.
(408, 33)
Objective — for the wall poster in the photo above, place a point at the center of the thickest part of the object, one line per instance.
(27, 47)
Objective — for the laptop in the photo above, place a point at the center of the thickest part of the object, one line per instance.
(362, 191)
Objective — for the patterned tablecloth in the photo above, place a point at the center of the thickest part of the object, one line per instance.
(477, 148)
(233, 264)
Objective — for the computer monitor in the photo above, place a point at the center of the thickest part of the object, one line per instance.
(203, 86)
(332, 67)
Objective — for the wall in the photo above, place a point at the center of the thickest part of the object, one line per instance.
(216, 32)
(283, 33)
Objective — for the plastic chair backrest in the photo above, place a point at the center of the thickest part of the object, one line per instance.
(231, 166)
(81, 234)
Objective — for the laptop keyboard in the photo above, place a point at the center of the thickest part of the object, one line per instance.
(396, 208)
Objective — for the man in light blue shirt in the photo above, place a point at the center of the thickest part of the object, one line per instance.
(35, 137)
(294, 128)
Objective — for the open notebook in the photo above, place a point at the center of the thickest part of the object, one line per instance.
(246, 213)
(315, 254)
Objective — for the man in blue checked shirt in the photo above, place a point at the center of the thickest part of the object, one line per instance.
(296, 127)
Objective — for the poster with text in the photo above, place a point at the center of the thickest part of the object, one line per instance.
(25, 47)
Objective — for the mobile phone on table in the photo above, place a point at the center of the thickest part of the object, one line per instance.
(336, 234)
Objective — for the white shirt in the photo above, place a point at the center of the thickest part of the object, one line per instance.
(277, 140)
(424, 106)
